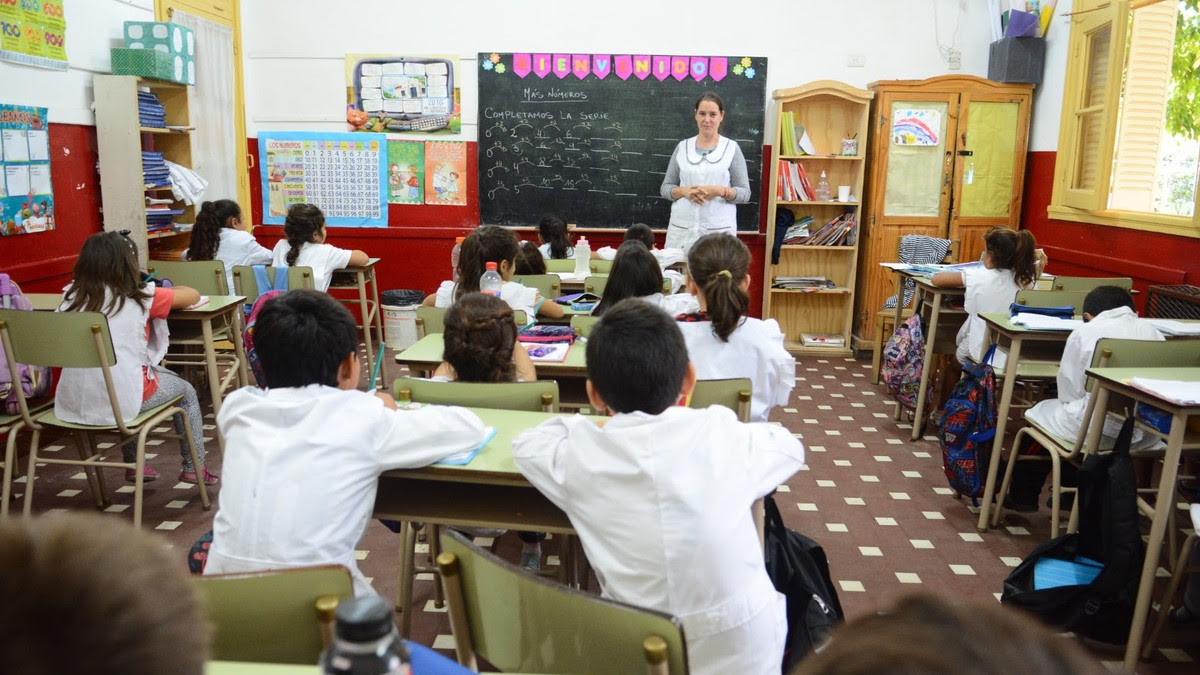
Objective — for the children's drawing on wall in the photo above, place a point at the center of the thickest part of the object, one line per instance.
(445, 173)
(406, 172)
(915, 126)
(400, 94)
(26, 196)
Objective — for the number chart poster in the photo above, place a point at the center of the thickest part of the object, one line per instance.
(402, 94)
(406, 172)
(26, 197)
(33, 33)
(343, 174)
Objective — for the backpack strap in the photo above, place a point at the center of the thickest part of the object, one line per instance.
(281, 279)
(987, 357)
(261, 279)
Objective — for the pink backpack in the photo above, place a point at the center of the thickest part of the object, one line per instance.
(267, 290)
(34, 380)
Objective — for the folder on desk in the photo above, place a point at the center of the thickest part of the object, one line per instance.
(466, 457)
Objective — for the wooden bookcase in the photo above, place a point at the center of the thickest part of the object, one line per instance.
(829, 111)
(121, 140)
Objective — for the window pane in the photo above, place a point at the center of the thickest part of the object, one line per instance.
(1091, 127)
(1098, 47)
(914, 169)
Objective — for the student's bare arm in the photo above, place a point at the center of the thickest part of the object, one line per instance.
(184, 297)
(359, 258)
(551, 309)
(430, 300)
(388, 401)
(524, 365)
(947, 279)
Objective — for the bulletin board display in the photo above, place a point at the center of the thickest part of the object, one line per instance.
(26, 195)
(344, 174)
(591, 135)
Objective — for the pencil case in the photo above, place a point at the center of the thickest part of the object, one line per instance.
(547, 333)
(1062, 312)
(572, 299)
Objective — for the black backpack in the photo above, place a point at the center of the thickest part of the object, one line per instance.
(799, 570)
(1108, 533)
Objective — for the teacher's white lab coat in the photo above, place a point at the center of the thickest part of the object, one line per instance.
(662, 507)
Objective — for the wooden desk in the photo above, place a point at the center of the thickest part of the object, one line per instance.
(425, 355)
(425, 661)
(361, 277)
(1116, 381)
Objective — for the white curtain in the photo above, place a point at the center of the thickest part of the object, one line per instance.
(215, 151)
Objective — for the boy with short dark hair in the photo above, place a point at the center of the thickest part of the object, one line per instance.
(303, 456)
(661, 495)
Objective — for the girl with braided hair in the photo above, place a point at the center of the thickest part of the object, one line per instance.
(305, 246)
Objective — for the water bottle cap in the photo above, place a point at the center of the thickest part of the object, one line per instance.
(491, 265)
(459, 240)
(363, 619)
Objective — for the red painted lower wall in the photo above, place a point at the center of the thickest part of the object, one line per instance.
(1083, 249)
(43, 262)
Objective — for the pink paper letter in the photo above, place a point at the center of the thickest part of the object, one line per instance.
(679, 67)
(718, 68)
(623, 65)
(522, 64)
(699, 68)
(601, 65)
(562, 65)
(662, 67)
(641, 66)
(541, 65)
(581, 65)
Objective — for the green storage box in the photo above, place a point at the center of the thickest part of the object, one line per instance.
(161, 35)
(153, 63)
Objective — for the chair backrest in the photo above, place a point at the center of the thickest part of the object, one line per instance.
(595, 283)
(549, 285)
(951, 251)
(734, 393)
(272, 617)
(583, 323)
(245, 284)
(560, 265)
(433, 320)
(1122, 353)
(1086, 284)
(538, 396)
(519, 622)
(600, 266)
(1032, 298)
(206, 276)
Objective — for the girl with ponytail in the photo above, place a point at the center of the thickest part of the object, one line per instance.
(723, 342)
(304, 246)
(218, 235)
(1011, 262)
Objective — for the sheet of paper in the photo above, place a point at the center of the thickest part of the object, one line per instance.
(393, 68)
(414, 68)
(1170, 327)
(369, 93)
(39, 145)
(554, 352)
(371, 70)
(1186, 393)
(17, 179)
(16, 145)
(437, 68)
(369, 82)
(1043, 322)
(372, 104)
(39, 179)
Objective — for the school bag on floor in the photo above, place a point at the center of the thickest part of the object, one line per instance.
(799, 570)
(266, 290)
(903, 359)
(33, 380)
(968, 426)
(1108, 544)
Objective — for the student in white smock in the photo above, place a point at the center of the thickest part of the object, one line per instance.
(218, 235)
(661, 495)
(705, 178)
(552, 235)
(636, 274)
(722, 341)
(305, 246)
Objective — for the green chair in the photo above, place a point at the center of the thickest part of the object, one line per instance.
(517, 621)
(583, 324)
(245, 284)
(82, 340)
(734, 393)
(281, 616)
(539, 396)
(433, 320)
(561, 266)
(1032, 298)
(1086, 284)
(1109, 353)
(595, 284)
(206, 276)
(549, 285)
(12, 425)
(600, 266)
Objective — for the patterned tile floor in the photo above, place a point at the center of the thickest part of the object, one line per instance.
(876, 501)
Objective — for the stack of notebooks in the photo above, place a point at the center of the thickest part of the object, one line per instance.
(793, 184)
(154, 170)
(151, 112)
(797, 233)
(841, 231)
(811, 283)
(158, 218)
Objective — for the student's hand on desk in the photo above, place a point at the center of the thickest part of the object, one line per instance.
(388, 401)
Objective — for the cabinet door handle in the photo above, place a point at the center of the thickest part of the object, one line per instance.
(249, 160)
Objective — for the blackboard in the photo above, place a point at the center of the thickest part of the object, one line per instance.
(590, 136)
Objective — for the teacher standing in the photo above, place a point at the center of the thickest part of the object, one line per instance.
(705, 178)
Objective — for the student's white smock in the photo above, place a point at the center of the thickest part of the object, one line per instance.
(238, 247)
(665, 256)
(322, 258)
(689, 220)
(82, 396)
(678, 303)
(544, 249)
(662, 507)
(301, 467)
(1063, 416)
(517, 296)
(755, 350)
(985, 291)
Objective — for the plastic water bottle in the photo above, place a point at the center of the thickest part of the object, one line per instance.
(366, 641)
(454, 253)
(822, 189)
(583, 256)
(491, 281)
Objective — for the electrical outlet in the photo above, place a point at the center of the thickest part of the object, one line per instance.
(856, 60)
(954, 59)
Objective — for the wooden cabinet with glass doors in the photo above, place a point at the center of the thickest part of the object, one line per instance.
(946, 159)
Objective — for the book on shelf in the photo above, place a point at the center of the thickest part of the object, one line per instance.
(823, 339)
(787, 131)
(808, 283)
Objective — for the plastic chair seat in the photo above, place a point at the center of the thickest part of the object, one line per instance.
(53, 420)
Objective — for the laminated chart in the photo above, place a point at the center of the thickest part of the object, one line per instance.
(344, 174)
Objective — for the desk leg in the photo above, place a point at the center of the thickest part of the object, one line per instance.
(214, 381)
(239, 348)
(1010, 381)
(1163, 504)
(918, 423)
(377, 321)
(408, 540)
(365, 315)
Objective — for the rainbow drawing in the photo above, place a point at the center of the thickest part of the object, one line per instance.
(916, 127)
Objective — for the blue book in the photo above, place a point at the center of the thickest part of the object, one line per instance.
(466, 457)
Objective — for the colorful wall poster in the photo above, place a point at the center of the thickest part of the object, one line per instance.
(916, 126)
(34, 33)
(26, 196)
(406, 172)
(402, 94)
(445, 173)
(343, 174)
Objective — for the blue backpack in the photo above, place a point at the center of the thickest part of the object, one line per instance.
(266, 290)
(968, 426)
